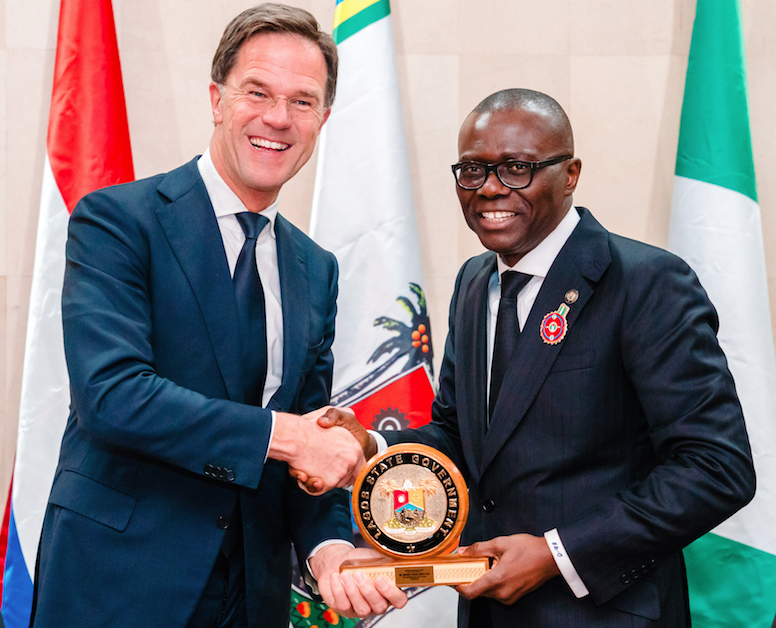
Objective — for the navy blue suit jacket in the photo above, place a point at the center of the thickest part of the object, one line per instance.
(158, 447)
(627, 436)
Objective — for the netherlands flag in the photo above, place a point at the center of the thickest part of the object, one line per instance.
(87, 148)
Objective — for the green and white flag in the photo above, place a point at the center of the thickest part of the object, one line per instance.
(716, 228)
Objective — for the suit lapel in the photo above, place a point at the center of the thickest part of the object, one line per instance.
(296, 312)
(191, 228)
(579, 265)
(473, 362)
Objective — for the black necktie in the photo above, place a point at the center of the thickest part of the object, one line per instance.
(250, 306)
(507, 332)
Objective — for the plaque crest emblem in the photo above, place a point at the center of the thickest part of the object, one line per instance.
(554, 325)
(409, 504)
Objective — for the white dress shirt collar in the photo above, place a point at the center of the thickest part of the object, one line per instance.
(538, 260)
(223, 199)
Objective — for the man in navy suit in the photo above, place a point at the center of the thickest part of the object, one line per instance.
(172, 505)
(616, 436)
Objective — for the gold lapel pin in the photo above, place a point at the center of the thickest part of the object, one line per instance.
(572, 296)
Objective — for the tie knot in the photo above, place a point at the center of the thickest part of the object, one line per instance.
(513, 282)
(252, 224)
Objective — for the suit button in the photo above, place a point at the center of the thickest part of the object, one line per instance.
(229, 475)
(210, 470)
(625, 578)
(223, 522)
(635, 574)
(488, 505)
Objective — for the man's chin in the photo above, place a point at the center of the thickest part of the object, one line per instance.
(505, 245)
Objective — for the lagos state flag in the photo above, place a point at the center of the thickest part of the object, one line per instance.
(87, 148)
(715, 226)
(363, 209)
(363, 212)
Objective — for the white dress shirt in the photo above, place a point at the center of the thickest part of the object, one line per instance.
(226, 205)
(536, 262)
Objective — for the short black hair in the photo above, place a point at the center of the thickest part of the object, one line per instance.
(530, 100)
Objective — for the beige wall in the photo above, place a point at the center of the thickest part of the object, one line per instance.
(617, 67)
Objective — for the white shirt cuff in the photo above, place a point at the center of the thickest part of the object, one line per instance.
(271, 434)
(380, 441)
(563, 561)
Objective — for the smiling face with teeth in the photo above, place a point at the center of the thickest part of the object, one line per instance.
(256, 149)
(512, 222)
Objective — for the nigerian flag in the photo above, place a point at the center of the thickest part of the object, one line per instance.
(715, 226)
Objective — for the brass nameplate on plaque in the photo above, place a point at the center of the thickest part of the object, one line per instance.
(414, 576)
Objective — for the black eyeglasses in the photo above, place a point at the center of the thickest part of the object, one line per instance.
(471, 175)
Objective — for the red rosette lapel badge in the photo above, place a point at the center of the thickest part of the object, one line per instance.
(554, 325)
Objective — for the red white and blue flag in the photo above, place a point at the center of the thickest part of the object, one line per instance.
(87, 148)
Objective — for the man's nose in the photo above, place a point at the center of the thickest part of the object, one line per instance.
(278, 115)
(493, 186)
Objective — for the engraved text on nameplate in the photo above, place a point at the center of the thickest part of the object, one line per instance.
(408, 576)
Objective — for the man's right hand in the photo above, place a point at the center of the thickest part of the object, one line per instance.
(331, 417)
(331, 456)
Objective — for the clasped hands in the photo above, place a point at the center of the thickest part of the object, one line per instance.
(330, 418)
(320, 455)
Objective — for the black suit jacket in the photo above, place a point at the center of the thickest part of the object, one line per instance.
(627, 436)
(158, 447)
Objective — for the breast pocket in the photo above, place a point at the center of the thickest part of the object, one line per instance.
(574, 361)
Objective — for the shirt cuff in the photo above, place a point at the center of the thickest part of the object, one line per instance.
(271, 434)
(563, 561)
(308, 577)
(380, 441)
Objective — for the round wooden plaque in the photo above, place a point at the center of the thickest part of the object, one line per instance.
(410, 501)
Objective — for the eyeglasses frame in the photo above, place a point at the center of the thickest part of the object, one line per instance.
(533, 166)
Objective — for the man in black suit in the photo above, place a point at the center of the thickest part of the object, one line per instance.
(595, 418)
(198, 326)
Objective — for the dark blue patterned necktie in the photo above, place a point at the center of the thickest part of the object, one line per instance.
(250, 306)
(507, 332)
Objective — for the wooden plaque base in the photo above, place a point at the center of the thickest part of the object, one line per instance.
(423, 572)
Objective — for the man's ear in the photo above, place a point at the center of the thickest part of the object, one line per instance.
(573, 169)
(216, 95)
(326, 115)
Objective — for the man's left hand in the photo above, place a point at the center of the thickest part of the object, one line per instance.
(521, 564)
(352, 595)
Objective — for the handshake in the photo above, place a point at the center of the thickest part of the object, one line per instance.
(324, 449)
